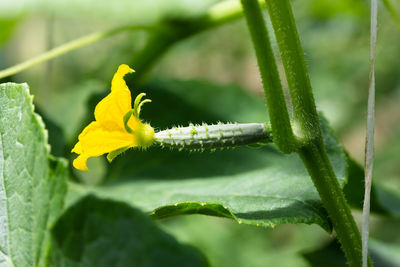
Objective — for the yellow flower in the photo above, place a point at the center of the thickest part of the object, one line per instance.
(117, 126)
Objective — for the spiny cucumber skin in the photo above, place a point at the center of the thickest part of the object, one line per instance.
(200, 137)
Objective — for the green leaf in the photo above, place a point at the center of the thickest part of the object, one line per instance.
(253, 186)
(97, 232)
(32, 183)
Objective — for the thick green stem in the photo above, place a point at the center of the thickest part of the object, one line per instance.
(305, 113)
(315, 159)
(308, 128)
(279, 116)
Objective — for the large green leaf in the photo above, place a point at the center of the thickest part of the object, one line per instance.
(253, 186)
(97, 232)
(32, 183)
(258, 186)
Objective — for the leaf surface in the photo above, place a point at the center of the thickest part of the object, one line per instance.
(260, 186)
(97, 232)
(32, 182)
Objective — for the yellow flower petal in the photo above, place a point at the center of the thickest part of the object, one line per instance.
(107, 134)
(134, 123)
(96, 140)
(80, 163)
(111, 110)
(77, 148)
(118, 81)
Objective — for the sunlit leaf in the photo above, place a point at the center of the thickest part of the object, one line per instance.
(253, 186)
(32, 183)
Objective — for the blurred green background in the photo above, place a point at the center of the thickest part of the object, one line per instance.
(335, 38)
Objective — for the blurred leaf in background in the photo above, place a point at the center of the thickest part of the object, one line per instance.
(382, 254)
(97, 232)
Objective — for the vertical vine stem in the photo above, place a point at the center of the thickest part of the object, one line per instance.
(279, 115)
(369, 142)
(317, 163)
(307, 127)
(313, 152)
(305, 113)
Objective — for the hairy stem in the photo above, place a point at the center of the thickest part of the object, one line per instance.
(279, 116)
(313, 151)
(316, 160)
(305, 113)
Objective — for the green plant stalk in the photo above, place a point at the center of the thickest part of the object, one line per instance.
(313, 151)
(279, 116)
(317, 163)
(65, 48)
(304, 110)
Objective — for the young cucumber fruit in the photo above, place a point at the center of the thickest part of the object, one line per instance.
(220, 135)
